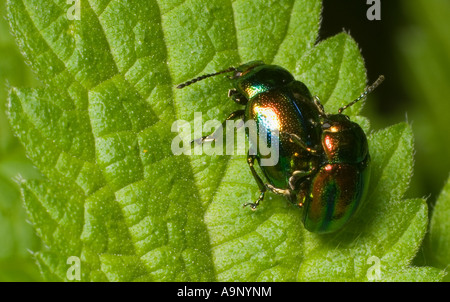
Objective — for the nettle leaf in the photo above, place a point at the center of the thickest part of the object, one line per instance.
(115, 195)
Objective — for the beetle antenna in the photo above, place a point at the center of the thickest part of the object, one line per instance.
(204, 77)
(365, 93)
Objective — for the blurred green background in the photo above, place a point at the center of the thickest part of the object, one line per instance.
(410, 45)
(17, 237)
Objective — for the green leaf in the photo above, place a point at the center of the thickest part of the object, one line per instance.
(439, 236)
(114, 194)
(16, 234)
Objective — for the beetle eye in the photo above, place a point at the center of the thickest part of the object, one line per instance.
(326, 126)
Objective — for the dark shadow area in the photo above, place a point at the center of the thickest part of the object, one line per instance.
(376, 40)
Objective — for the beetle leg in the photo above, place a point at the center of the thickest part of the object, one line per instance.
(213, 136)
(237, 97)
(283, 192)
(294, 195)
(319, 105)
(262, 187)
(297, 140)
(296, 175)
(290, 193)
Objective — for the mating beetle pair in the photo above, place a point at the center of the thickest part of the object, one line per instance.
(324, 161)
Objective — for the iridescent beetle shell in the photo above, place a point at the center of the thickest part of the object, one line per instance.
(341, 183)
(276, 101)
(324, 161)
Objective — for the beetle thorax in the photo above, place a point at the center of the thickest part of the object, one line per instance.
(261, 79)
(343, 141)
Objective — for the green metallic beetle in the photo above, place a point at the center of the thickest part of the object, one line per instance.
(324, 161)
